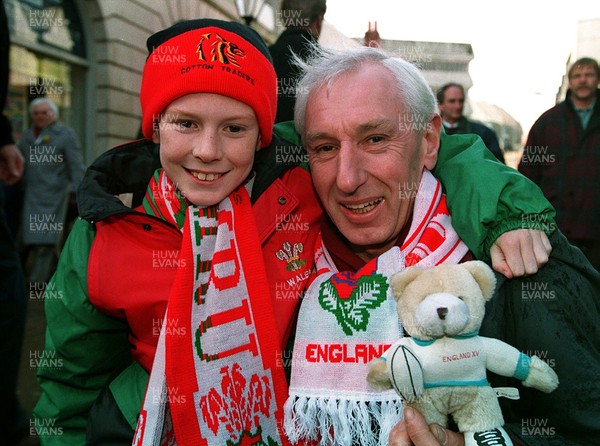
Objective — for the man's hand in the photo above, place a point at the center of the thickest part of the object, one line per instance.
(520, 252)
(413, 430)
(11, 164)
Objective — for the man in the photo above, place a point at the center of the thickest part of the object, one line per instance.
(54, 163)
(562, 156)
(14, 422)
(303, 20)
(451, 103)
(365, 160)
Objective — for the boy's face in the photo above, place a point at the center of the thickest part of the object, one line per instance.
(207, 144)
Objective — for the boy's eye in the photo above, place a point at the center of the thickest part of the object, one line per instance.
(233, 128)
(185, 124)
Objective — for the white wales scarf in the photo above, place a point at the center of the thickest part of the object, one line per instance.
(214, 380)
(349, 318)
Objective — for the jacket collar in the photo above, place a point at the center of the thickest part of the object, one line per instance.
(128, 168)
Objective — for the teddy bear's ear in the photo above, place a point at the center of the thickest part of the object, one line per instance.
(483, 275)
(401, 280)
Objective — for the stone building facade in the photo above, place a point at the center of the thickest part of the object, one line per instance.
(88, 56)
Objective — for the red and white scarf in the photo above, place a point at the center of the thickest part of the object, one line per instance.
(349, 318)
(214, 380)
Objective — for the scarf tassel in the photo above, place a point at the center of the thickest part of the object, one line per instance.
(335, 422)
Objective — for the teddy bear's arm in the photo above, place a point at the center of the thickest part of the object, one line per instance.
(378, 376)
(505, 360)
(532, 371)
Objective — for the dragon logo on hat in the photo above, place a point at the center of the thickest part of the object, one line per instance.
(214, 48)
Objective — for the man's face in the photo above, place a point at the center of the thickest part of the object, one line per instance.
(42, 115)
(451, 108)
(583, 82)
(207, 145)
(366, 157)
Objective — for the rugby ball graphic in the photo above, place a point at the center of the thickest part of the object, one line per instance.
(406, 372)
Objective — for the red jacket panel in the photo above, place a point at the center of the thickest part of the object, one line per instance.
(134, 258)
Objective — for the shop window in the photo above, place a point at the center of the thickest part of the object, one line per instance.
(47, 59)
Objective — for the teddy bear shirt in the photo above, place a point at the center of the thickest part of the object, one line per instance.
(463, 360)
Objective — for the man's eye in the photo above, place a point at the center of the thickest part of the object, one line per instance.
(325, 148)
(375, 139)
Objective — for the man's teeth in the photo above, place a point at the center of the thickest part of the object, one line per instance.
(206, 176)
(363, 207)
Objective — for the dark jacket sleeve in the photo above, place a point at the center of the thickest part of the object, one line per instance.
(87, 348)
(5, 127)
(554, 315)
(487, 198)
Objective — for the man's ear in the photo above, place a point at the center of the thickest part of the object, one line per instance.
(432, 141)
(156, 136)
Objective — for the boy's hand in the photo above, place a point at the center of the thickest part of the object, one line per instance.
(521, 252)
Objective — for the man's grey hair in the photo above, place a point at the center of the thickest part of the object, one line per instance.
(304, 9)
(324, 66)
(49, 102)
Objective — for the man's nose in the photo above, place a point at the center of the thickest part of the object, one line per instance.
(351, 173)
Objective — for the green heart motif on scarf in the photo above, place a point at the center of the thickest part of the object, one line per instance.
(349, 296)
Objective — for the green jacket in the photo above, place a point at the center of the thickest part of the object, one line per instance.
(92, 350)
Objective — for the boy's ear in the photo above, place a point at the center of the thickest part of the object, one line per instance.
(156, 137)
(258, 143)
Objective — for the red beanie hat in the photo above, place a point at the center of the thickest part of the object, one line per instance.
(209, 56)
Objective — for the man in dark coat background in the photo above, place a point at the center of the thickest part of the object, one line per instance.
(451, 102)
(303, 20)
(14, 423)
(562, 156)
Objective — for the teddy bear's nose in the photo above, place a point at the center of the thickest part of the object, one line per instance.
(442, 312)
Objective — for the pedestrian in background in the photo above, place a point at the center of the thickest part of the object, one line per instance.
(14, 422)
(451, 104)
(562, 156)
(303, 20)
(53, 170)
